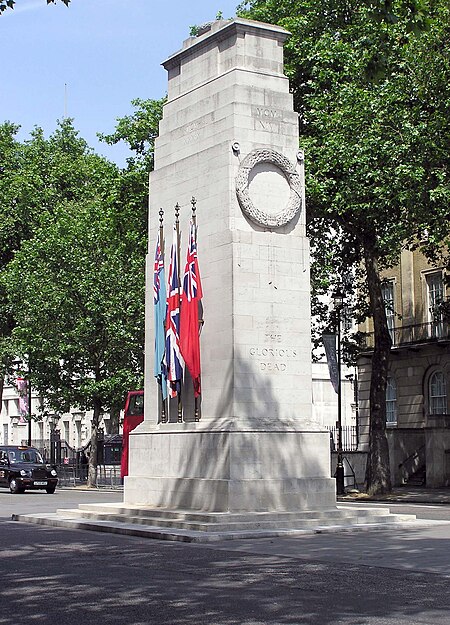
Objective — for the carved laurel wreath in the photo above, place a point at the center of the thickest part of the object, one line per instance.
(267, 155)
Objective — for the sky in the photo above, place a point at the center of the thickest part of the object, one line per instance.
(88, 61)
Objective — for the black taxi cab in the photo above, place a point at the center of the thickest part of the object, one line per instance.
(23, 468)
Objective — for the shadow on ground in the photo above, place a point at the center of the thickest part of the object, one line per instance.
(61, 576)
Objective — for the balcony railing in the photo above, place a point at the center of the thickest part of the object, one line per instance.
(350, 438)
(412, 334)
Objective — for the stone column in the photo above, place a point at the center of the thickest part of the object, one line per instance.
(229, 137)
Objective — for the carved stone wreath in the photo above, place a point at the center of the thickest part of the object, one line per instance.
(267, 155)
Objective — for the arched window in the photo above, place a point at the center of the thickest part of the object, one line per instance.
(437, 393)
(391, 401)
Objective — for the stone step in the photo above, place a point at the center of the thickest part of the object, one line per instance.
(147, 512)
(71, 520)
(250, 523)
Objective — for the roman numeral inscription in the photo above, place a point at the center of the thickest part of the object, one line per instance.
(266, 118)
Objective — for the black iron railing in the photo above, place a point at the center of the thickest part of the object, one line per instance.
(417, 333)
(350, 439)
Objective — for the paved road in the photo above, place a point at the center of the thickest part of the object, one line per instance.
(38, 501)
(64, 577)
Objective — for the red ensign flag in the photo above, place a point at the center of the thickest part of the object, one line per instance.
(189, 326)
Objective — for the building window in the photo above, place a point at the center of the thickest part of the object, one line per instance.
(437, 393)
(78, 432)
(387, 291)
(435, 292)
(391, 402)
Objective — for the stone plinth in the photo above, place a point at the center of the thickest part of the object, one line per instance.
(229, 137)
(243, 471)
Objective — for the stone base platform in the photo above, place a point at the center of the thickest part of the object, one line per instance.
(201, 527)
(230, 470)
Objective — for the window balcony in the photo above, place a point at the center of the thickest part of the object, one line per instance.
(417, 334)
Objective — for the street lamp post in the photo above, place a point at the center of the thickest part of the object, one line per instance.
(55, 439)
(340, 485)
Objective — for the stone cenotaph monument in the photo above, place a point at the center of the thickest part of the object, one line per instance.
(245, 459)
(229, 138)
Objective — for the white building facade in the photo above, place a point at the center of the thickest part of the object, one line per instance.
(74, 427)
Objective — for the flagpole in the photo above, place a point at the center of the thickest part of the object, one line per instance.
(200, 321)
(177, 227)
(161, 243)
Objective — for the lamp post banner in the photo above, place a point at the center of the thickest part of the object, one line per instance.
(22, 389)
(329, 343)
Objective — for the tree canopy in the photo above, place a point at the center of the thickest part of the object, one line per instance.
(139, 130)
(72, 279)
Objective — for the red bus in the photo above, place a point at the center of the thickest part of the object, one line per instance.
(133, 415)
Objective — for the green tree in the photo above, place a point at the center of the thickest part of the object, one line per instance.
(139, 132)
(10, 159)
(377, 152)
(72, 272)
(9, 4)
(38, 174)
(34, 177)
(77, 289)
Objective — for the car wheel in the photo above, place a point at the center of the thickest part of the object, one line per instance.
(50, 489)
(14, 487)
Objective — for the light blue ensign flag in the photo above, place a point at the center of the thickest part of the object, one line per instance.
(160, 308)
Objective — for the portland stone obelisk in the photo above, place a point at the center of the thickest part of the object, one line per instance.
(229, 137)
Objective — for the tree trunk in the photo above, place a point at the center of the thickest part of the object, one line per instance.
(92, 467)
(378, 474)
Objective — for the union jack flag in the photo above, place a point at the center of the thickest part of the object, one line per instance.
(192, 287)
(174, 359)
(192, 294)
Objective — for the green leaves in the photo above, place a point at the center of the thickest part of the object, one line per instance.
(139, 131)
(6, 4)
(80, 310)
(9, 4)
(73, 234)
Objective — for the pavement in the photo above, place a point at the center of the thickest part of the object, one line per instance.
(403, 494)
